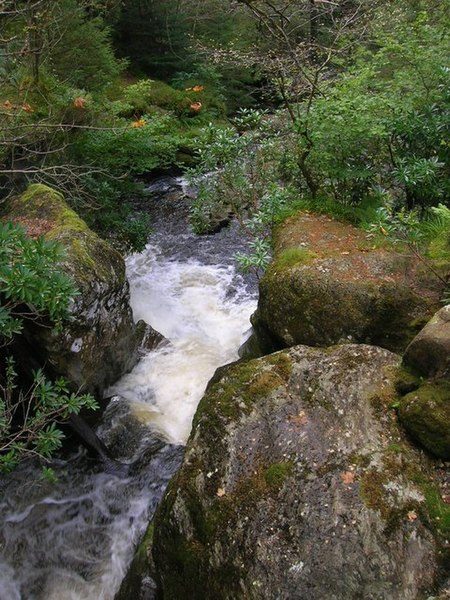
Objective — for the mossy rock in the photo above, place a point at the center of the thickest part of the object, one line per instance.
(429, 352)
(327, 285)
(101, 341)
(138, 583)
(43, 211)
(425, 414)
(298, 483)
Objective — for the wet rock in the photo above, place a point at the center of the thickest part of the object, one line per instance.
(328, 285)
(138, 583)
(101, 342)
(151, 338)
(298, 483)
(429, 352)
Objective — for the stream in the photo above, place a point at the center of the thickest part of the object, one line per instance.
(73, 538)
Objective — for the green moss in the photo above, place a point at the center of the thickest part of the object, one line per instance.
(237, 391)
(263, 384)
(294, 256)
(282, 364)
(375, 496)
(186, 569)
(405, 380)
(437, 510)
(384, 400)
(276, 474)
(85, 251)
(394, 448)
(425, 413)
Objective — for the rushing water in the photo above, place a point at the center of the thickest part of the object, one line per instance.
(73, 539)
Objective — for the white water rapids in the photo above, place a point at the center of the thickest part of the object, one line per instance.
(189, 303)
(74, 538)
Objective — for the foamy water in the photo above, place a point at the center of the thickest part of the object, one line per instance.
(199, 309)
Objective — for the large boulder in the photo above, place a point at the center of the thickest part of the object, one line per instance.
(101, 341)
(327, 284)
(298, 484)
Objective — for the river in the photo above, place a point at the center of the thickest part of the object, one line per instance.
(73, 538)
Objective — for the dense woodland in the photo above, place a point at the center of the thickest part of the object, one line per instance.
(335, 106)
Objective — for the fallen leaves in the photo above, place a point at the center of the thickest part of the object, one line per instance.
(299, 419)
(348, 477)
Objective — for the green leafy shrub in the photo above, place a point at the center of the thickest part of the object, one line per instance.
(132, 147)
(31, 283)
(32, 286)
(28, 421)
(383, 122)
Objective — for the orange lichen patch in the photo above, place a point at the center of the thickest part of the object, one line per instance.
(350, 253)
(321, 234)
(196, 106)
(34, 227)
(348, 477)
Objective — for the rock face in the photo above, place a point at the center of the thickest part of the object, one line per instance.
(101, 342)
(327, 285)
(297, 484)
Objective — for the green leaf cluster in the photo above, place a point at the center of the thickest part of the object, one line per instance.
(31, 282)
(28, 420)
(32, 286)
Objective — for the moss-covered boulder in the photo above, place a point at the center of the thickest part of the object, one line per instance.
(429, 352)
(424, 383)
(425, 413)
(298, 483)
(327, 284)
(101, 341)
